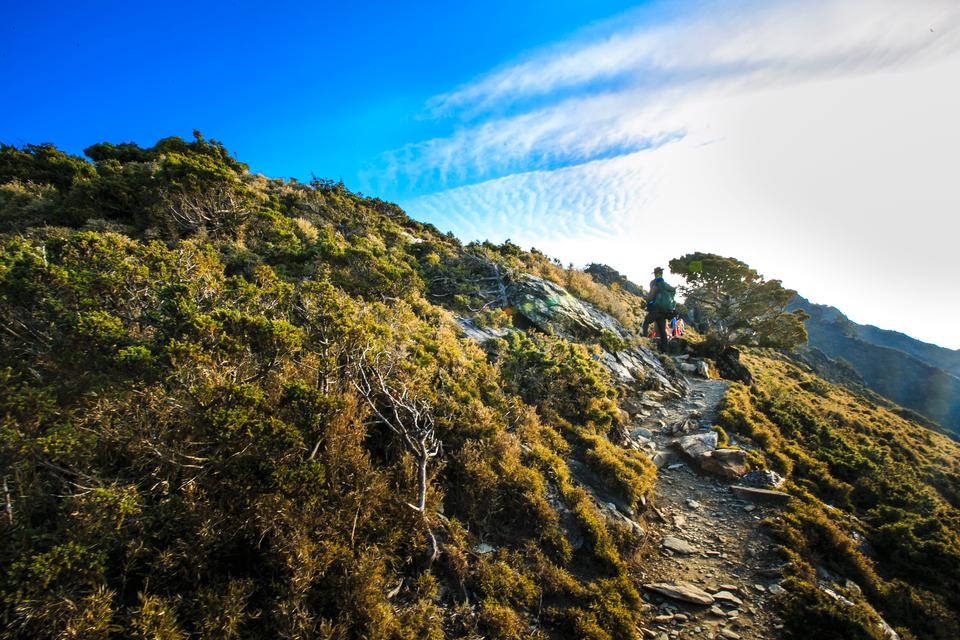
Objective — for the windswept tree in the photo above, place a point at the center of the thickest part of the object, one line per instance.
(734, 305)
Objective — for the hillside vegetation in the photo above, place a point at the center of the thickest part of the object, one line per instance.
(876, 513)
(916, 375)
(229, 407)
(240, 407)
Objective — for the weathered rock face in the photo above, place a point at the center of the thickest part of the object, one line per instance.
(551, 308)
(639, 366)
(726, 463)
(481, 334)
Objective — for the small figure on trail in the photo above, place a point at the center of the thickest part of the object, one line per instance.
(660, 306)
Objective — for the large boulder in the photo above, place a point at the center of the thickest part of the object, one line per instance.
(730, 367)
(638, 366)
(551, 308)
(545, 306)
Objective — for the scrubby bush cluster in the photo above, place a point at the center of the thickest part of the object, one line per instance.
(189, 449)
(878, 503)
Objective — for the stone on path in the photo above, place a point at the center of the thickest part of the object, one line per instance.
(677, 545)
(698, 444)
(683, 591)
(771, 572)
(703, 369)
(640, 432)
(661, 458)
(760, 495)
(763, 479)
(726, 596)
(726, 463)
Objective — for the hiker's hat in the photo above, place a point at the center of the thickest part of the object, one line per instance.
(658, 270)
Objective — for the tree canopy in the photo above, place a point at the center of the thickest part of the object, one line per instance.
(733, 304)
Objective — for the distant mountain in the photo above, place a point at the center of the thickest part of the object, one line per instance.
(917, 375)
(941, 358)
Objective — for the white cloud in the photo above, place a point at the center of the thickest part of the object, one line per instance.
(817, 141)
(798, 37)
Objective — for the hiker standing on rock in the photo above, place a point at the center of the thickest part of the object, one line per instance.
(660, 306)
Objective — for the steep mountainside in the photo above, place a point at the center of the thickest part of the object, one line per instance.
(239, 407)
(875, 516)
(914, 374)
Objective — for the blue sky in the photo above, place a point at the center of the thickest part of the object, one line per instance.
(291, 87)
(817, 140)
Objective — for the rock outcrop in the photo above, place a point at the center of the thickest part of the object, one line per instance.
(548, 307)
(551, 308)
(697, 444)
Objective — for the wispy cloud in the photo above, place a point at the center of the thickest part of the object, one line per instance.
(724, 39)
(628, 89)
(745, 128)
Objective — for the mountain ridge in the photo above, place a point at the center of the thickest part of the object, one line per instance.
(896, 366)
(931, 353)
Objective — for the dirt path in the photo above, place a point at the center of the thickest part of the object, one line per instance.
(725, 550)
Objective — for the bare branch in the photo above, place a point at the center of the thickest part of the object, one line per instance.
(401, 411)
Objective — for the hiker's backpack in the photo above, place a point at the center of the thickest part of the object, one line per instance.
(664, 301)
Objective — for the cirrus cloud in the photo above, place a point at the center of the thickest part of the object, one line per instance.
(809, 138)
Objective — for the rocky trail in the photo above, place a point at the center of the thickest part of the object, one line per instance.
(709, 568)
